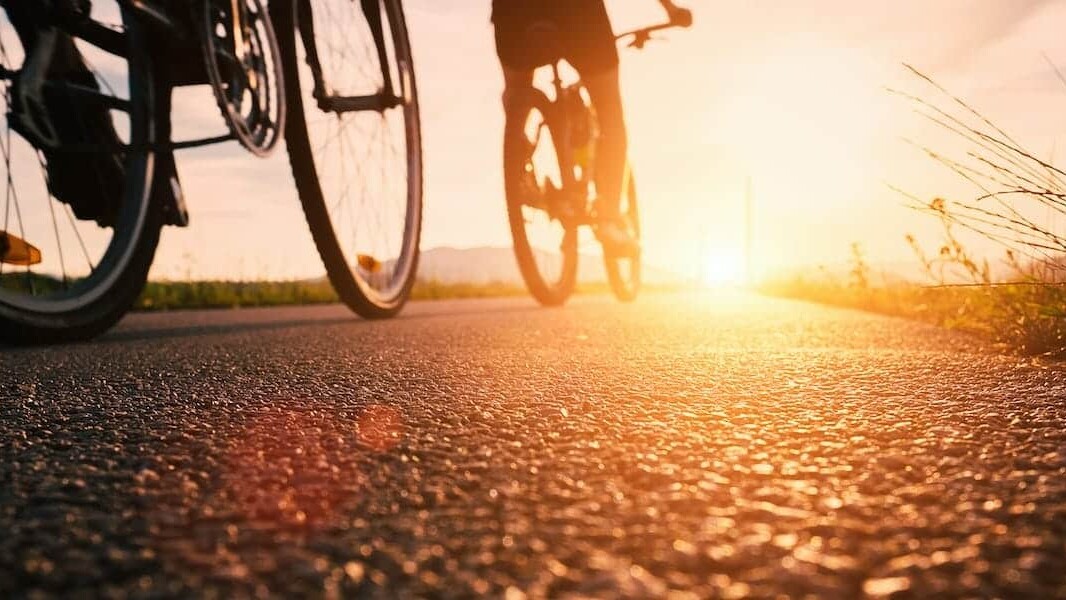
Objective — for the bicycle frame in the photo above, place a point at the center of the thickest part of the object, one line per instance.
(176, 39)
(579, 213)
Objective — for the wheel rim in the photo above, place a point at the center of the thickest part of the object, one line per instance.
(80, 260)
(367, 163)
(542, 205)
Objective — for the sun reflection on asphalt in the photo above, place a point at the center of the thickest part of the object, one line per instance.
(701, 446)
(380, 427)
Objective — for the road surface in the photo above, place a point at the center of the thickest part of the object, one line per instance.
(709, 445)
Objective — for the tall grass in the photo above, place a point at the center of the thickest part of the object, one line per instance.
(175, 295)
(1016, 202)
(1017, 196)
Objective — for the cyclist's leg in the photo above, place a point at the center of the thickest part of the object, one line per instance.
(591, 49)
(516, 60)
(612, 149)
(516, 82)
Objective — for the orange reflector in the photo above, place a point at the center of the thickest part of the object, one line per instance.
(15, 251)
(369, 263)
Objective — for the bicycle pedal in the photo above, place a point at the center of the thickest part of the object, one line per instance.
(18, 252)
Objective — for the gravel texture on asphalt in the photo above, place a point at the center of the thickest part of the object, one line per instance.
(700, 445)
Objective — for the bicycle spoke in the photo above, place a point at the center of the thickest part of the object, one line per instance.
(343, 190)
(8, 187)
(368, 207)
(55, 229)
(55, 224)
(79, 223)
(18, 209)
(81, 242)
(5, 146)
(360, 164)
(343, 198)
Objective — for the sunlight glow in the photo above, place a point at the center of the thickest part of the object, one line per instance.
(724, 268)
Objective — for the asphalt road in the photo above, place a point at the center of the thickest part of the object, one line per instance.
(711, 446)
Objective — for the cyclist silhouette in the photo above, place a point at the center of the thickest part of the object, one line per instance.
(532, 33)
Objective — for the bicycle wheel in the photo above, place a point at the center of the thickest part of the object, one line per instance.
(355, 147)
(539, 209)
(79, 228)
(623, 273)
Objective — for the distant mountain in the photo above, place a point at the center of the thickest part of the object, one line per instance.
(488, 264)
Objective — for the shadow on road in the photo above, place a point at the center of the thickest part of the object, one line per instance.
(151, 333)
(264, 322)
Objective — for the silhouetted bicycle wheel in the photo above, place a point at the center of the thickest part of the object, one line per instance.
(541, 213)
(355, 145)
(78, 228)
(623, 273)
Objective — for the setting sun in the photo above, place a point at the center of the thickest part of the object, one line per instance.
(724, 268)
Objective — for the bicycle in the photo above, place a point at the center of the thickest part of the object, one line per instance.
(334, 78)
(549, 163)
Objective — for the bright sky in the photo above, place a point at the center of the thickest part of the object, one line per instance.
(790, 94)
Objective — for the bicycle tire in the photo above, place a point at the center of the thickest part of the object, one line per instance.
(349, 275)
(624, 273)
(88, 306)
(515, 151)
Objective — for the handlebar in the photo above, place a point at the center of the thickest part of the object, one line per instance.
(643, 36)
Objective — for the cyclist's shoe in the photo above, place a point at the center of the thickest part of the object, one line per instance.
(91, 178)
(617, 240)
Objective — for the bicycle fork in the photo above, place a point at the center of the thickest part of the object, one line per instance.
(326, 97)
